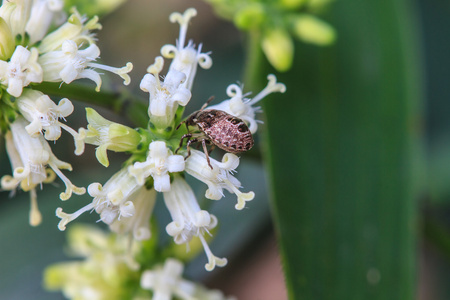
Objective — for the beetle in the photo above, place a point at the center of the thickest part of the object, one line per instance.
(218, 128)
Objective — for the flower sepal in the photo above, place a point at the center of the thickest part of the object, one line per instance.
(108, 135)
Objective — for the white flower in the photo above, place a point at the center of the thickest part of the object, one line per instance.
(31, 16)
(185, 58)
(16, 14)
(43, 114)
(29, 157)
(176, 89)
(139, 223)
(240, 106)
(43, 12)
(166, 282)
(107, 263)
(166, 96)
(20, 71)
(189, 220)
(219, 177)
(70, 63)
(77, 29)
(160, 161)
(119, 199)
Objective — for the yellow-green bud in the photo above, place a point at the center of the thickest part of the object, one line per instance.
(278, 48)
(313, 30)
(7, 44)
(108, 135)
(250, 16)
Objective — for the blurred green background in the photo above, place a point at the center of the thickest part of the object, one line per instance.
(363, 131)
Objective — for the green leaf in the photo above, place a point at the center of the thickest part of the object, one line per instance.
(342, 146)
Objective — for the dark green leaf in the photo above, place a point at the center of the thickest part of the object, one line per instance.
(342, 146)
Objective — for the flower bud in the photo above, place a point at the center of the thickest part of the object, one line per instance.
(251, 16)
(278, 48)
(313, 30)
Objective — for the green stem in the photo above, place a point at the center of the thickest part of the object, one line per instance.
(122, 103)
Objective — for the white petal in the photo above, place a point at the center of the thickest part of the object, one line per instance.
(162, 183)
(158, 149)
(158, 107)
(175, 163)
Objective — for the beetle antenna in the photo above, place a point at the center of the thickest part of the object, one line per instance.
(207, 102)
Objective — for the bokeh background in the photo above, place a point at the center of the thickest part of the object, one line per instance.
(135, 32)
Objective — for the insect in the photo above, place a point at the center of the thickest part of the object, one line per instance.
(218, 128)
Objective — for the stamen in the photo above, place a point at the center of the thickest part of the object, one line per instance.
(122, 72)
(183, 20)
(213, 260)
(67, 218)
(272, 87)
(70, 187)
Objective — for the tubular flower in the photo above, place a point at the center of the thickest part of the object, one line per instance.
(165, 97)
(159, 163)
(77, 28)
(72, 63)
(33, 163)
(189, 220)
(185, 58)
(175, 91)
(43, 13)
(240, 106)
(30, 156)
(16, 13)
(43, 114)
(104, 271)
(219, 177)
(119, 199)
(166, 282)
(20, 71)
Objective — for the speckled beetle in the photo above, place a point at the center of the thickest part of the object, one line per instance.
(217, 128)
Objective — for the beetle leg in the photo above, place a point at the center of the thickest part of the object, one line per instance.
(186, 136)
(206, 153)
(188, 148)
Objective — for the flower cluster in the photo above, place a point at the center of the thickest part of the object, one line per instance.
(31, 53)
(125, 202)
(108, 267)
(39, 43)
